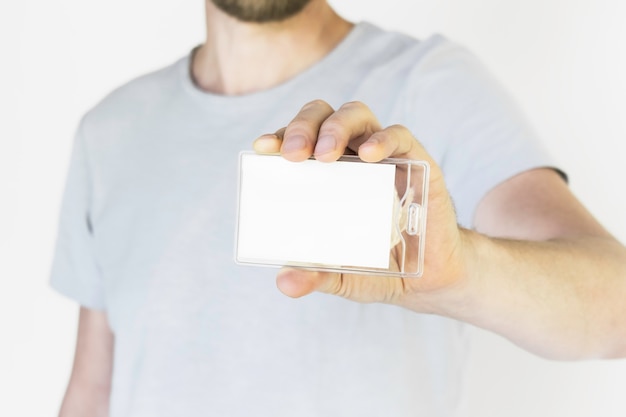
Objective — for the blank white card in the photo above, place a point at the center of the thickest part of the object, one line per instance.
(334, 214)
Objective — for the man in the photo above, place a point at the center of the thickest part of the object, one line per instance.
(169, 325)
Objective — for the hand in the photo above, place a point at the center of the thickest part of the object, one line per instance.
(327, 134)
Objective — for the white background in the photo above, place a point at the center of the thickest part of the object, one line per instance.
(564, 60)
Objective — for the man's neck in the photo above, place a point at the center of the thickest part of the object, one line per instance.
(241, 58)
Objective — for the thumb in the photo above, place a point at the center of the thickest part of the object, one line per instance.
(297, 283)
(360, 288)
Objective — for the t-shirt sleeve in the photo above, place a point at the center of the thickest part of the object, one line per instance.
(471, 125)
(74, 269)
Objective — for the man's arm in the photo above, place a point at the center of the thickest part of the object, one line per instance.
(543, 272)
(89, 387)
(539, 269)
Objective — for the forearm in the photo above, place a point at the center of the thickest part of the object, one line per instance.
(88, 391)
(83, 398)
(561, 299)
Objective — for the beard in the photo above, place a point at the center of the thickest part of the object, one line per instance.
(260, 11)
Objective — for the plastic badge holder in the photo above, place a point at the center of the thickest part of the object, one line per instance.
(286, 212)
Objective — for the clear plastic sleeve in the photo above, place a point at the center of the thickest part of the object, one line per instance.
(276, 238)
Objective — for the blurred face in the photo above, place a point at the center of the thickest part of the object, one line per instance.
(260, 11)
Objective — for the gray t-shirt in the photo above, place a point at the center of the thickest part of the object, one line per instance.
(147, 228)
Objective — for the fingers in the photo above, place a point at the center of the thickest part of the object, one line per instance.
(327, 134)
(300, 135)
(321, 131)
(393, 142)
(352, 124)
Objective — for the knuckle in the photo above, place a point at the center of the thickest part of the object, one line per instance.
(354, 106)
(398, 128)
(400, 134)
(315, 104)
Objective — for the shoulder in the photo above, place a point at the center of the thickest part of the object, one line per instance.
(388, 48)
(430, 85)
(396, 66)
(136, 98)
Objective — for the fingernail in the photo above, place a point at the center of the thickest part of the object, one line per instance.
(294, 143)
(325, 144)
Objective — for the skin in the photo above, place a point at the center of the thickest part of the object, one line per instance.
(537, 268)
(89, 389)
(241, 58)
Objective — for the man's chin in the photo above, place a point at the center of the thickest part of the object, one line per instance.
(261, 11)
